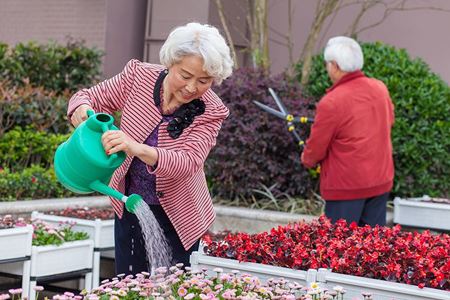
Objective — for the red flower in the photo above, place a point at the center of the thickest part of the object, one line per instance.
(385, 253)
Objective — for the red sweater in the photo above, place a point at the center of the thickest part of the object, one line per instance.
(351, 139)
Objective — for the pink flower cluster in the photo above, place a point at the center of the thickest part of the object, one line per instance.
(421, 259)
(7, 221)
(179, 283)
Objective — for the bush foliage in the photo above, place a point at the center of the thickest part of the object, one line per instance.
(421, 134)
(21, 148)
(55, 67)
(31, 183)
(253, 147)
(36, 81)
(32, 106)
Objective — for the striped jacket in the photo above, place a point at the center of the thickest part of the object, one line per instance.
(180, 179)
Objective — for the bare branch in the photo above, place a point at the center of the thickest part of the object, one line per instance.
(389, 9)
(289, 35)
(227, 32)
(366, 5)
(323, 10)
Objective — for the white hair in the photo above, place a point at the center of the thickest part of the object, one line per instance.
(346, 52)
(202, 40)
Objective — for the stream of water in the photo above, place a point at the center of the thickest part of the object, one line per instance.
(159, 253)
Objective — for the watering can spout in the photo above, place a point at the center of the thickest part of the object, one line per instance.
(130, 201)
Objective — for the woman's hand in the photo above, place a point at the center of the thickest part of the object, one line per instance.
(80, 115)
(116, 140)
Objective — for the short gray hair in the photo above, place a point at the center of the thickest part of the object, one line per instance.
(346, 52)
(202, 40)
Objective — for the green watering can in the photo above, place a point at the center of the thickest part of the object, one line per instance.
(82, 165)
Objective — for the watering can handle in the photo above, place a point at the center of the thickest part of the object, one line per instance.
(105, 128)
(90, 112)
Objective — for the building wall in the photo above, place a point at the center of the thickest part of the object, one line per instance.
(424, 33)
(57, 20)
(120, 27)
(124, 36)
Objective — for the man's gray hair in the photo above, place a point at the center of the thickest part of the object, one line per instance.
(202, 40)
(346, 52)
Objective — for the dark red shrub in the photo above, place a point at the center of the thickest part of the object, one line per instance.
(253, 147)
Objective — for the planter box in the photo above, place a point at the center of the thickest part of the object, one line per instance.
(15, 247)
(56, 262)
(263, 272)
(416, 213)
(100, 231)
(380, 289)
(15, 243)
(354, 285)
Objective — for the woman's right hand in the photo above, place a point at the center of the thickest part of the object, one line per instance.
(80, 114)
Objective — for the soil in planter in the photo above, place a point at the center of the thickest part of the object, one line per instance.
(159, 253)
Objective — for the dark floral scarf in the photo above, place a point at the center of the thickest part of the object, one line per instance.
(184, 115)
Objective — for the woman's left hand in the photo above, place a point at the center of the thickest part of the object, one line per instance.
(116, 140)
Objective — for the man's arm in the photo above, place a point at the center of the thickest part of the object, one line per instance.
(322, 132)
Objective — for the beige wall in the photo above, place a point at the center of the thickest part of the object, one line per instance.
(167, 14)
(125, 28)
(424, 33)
(119, 26)
(44, 20)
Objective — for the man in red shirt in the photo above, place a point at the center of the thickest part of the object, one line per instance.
(351, 139)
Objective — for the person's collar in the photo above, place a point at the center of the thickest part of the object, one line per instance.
(346, 78)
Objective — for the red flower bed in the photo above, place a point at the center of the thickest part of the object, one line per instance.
(86, 213)
(384, 253)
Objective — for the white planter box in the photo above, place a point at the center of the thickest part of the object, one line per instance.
(15, 246)
(263, 272)
(15, 243)
(416, 213)
(49, 262)
(100, 231)
(354, 285)
(380, 289)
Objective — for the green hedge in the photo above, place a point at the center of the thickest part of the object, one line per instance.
(21, 148)
(52, 66)
(35, 83)
(32, 106)
(421, 134)
(31, 183)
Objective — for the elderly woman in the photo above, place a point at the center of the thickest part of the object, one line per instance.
(170, 121)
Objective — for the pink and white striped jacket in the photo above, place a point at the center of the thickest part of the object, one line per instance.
(180, 179)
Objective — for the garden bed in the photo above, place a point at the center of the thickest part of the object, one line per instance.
(100, 230)
(422, 212)
(15, 247)
(199, 261)
(353, 285)
(55, 262)
(379, 253)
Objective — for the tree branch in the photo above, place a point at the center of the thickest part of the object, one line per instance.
(227, 32)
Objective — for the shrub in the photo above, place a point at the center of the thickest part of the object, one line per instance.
(31, 183)
(29, 106)
(52, 66)
(21, 148)
(253, 147)
(421, 134)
